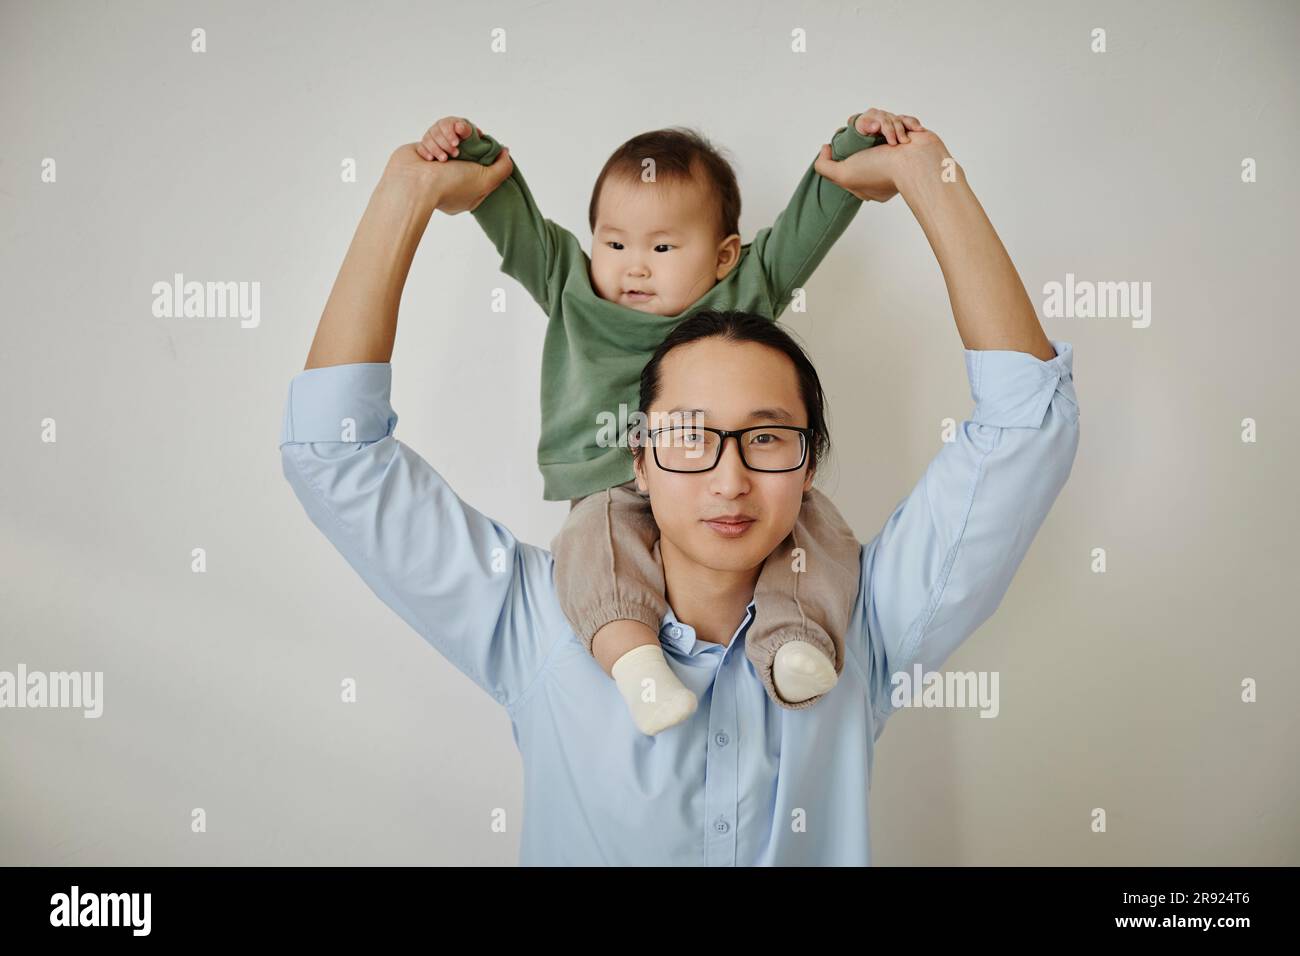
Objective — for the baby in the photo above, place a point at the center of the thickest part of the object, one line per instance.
(664, 216)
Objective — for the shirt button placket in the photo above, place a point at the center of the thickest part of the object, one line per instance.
(722, 771)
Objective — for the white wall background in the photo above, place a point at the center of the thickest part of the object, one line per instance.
(1119, 690)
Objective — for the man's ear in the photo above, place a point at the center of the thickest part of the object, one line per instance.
(808, 479)
(728, 255)
(638, 468)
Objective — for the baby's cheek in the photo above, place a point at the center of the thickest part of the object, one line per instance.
(597, 277)
(701, 283)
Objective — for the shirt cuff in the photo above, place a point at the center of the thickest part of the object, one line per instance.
(340, 403)
(1013, 389)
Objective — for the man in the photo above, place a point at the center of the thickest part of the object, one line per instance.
(742, 781)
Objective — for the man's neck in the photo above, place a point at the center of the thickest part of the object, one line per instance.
(712, 602)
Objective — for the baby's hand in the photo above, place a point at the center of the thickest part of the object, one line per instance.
(893, 127)
(442, 140)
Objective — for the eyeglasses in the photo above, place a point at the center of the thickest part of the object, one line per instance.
(694, 448)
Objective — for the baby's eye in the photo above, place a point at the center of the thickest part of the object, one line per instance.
(663, 247)
(614, 245)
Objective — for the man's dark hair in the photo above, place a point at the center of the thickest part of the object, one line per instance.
(680, 155)
(735, 326)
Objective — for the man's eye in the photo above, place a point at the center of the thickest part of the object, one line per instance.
(614, 245)
(771, 438)
(663, 247)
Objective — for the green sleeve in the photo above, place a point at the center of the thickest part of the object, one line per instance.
(794, 245)
(528, 243)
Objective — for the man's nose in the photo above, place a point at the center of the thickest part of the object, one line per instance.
(730, 477)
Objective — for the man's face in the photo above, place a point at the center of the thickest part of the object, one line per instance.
(655, 247)
(737, 385)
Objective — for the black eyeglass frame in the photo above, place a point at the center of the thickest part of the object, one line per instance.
(806, 434)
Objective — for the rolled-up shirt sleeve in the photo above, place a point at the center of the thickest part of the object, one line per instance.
(456, 576)
(944, 559)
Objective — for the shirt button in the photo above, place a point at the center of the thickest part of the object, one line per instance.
(722, 739)
(722, 826)
(674, 631)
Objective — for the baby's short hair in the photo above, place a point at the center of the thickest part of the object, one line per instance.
(679, 154)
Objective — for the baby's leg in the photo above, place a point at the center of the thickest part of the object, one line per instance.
(610, 584)
(803, 603)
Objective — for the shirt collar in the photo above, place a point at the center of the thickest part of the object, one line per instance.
(681, 636)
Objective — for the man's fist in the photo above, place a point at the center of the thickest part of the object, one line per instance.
(452, 187)
(872, 174)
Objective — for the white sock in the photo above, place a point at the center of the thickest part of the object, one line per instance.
(654, 694)
(801, 671)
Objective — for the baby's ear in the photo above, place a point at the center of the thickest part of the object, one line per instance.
(728, 255)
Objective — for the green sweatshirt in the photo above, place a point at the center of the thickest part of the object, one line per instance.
(595, 349)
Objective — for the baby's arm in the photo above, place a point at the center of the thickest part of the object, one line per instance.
(534, 250)
(817, 215)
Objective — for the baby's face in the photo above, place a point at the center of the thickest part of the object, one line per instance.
(656, 246)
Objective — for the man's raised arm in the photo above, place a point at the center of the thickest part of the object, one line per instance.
(989, 301)
(456, 576)
(359, 323)
(946, 556)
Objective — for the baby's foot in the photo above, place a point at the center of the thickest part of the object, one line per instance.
(801, 671)
(654, 694)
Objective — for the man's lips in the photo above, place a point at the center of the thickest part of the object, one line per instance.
(638, 296)
(729, 526)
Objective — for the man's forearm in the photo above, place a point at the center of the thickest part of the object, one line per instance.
(988, 299)
(359, 323)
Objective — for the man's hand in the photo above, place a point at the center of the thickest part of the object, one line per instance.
(451, 187)
(872, 174)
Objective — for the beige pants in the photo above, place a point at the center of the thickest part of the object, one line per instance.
(608, 568)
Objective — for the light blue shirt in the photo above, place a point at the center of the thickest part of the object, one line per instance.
(743, 781)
